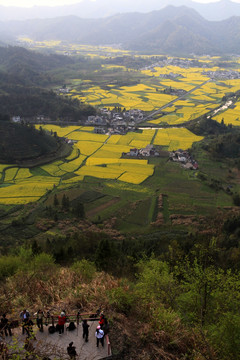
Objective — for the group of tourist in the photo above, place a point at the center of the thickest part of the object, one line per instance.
(99, 334)
(27, 327)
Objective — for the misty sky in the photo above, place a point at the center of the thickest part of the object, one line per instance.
(29, 3)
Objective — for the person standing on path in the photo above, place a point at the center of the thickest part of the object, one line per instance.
(40, 316)
(61, 322)
(99, 335)
(102, 320)
(85, 327)
(24, 316)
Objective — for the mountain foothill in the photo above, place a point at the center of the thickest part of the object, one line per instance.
(172, 30)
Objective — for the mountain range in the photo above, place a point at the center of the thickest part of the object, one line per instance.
(219, 10)
(172, 30)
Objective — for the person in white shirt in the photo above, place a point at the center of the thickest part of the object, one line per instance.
(24, 316)
(99, 335)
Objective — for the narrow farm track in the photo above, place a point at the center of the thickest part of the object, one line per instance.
(155, 112)
(85, 160)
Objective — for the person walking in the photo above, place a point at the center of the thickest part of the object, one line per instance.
(40, 316)
(61, 322)
(85, 327)
(99, 335)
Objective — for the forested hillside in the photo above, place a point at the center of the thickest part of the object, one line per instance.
(25, 79)
(20, 143)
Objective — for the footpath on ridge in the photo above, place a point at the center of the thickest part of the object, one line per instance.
(54, 346)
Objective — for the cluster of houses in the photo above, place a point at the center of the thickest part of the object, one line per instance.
(37, 118)
(64, 90)
(115, 122)
(183, 63)
(222, 74)
(184, 158)
(149, 150)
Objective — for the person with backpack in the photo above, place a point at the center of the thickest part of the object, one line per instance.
(71, 350)
(85, 327)
(61, 322)
(99, 335)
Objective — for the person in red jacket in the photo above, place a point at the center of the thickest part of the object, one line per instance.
(102, 320)
(61, 322)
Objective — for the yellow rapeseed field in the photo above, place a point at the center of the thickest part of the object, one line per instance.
(61, 131)
(99, 172)
(75, 153)
(27, 190)
(86, 136)
(133, 178)
(71, 166)
(10, 174)
(88, 147)
(176, 138)
(74, 179)
(23, 173)
(53, 169)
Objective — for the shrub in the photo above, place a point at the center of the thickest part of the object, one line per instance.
(225, 336)
(9, 266)
(84, 269)
(121, 299)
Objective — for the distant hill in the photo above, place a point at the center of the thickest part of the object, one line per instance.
(24, 86)
(29, 67)
(173, 30)
(219, 10)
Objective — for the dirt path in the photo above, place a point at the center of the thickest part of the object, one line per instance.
(102, 207)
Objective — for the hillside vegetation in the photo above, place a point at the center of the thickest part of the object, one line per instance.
(183, 306)
(25, 82)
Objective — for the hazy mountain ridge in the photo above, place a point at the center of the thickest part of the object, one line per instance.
(103, 8)
(173, 30)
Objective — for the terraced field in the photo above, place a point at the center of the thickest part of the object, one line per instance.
(93, 155)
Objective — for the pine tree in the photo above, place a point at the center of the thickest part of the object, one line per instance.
(79, 210)
(55, 201)
(65, 202)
